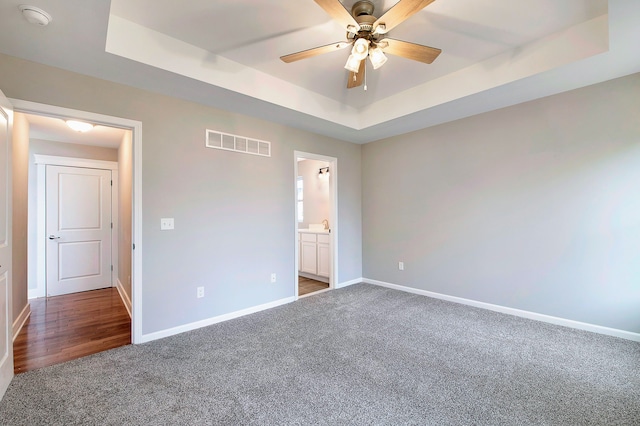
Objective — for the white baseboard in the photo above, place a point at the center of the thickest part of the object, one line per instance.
(21, 320)
(124, 296)
(348, 283)
(214, 320)
(313, 277)
(512, 311)
(32, 293)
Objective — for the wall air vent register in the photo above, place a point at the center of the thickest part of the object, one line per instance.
(242, 144)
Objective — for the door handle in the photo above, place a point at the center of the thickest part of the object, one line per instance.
(53, 237)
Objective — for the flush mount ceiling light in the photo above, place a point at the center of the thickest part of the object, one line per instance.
(35, 15)
(79, 126)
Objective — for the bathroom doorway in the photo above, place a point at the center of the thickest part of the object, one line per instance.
(316, 227)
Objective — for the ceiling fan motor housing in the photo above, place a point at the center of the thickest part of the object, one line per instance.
(362, 7)
(362, 12)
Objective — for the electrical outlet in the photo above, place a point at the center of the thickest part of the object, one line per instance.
(200, 292)
(401, 266)
(166, 223)
(273, 277)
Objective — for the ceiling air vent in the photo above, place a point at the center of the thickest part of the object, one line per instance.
(245, 145)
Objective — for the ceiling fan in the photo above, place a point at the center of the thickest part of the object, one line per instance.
(367, 36)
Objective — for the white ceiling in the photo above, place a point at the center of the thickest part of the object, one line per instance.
(257, 33)
(226, 54)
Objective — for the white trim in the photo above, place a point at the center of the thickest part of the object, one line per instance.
(41, 230)
(214, 320)
(136, 240)
(41, 162)
(32, 294)
(115, 227)
(516, 312)
(350, 282)
(21, 320)
(124, 296)
(324, 290)
(54, 160)
(136, 223)
(333, 216)
(314, 277)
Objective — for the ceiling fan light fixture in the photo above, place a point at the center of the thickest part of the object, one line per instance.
(352, 29)
(360, 48)
(377, 57)
(380, 29)
(353, 63)
(366, 34)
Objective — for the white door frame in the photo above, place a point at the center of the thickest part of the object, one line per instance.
(333, 214)
(42, 161)
(136, 222)
(6, 354)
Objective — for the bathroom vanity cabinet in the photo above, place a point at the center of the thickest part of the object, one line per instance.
(315, 254)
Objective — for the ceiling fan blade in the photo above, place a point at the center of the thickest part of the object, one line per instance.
(337, 11)
(401, 11)
(314, 52)
(417, 52)
(356, 80)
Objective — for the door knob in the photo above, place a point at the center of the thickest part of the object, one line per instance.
(53, 237)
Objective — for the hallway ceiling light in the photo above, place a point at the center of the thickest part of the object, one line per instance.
(79, 126)
(35, 15)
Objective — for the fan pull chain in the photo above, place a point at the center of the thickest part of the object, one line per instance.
(365, 75)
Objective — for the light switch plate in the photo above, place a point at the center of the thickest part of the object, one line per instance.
(166, 223)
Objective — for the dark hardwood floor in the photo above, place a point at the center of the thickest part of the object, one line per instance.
(63, 328)
(307, 285)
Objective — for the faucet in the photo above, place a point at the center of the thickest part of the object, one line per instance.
(326, 224)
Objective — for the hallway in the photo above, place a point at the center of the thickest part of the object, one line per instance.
(71, 326)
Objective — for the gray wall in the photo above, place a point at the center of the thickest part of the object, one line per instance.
(125, 182)
(59, 149)
(234, 213)
(316, 193)
(534, 207)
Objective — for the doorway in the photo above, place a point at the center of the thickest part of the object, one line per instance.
(79, 229)
(315, 223)
(129, 255)
(74, 221)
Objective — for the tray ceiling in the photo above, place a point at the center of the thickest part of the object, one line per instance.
(226, 54)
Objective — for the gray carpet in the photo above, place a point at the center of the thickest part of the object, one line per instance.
(359, 355)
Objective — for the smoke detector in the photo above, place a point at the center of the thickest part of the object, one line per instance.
(35, 15)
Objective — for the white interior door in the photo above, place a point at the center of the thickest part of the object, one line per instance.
(78, 229)
(6, 341)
